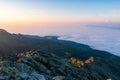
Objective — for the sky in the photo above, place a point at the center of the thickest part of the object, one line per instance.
(92, 22)
(19, 15)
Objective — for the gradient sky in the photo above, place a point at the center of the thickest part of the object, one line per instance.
(20, 14)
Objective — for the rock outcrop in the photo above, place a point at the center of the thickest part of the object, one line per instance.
(39, 65)
(91, 59)
(80, 63)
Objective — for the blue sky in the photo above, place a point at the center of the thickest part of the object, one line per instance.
(67, 8)
(25, 13)
(72, 6)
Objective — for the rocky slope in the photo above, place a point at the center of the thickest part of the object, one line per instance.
(40, 65)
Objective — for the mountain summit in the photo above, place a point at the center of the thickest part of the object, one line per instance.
(2, 32)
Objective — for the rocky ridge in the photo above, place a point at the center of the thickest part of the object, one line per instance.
(40, 65)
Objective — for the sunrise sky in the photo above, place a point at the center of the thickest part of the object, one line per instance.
(19, 15)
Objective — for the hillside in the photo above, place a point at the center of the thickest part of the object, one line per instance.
(39, 65)
(10, 44)
(59, 53)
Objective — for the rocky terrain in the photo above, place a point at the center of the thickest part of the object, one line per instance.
(39, 65)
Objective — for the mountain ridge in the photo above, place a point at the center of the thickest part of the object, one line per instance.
(49, 48)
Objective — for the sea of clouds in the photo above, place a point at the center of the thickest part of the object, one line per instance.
(99, 36)
(103, 37)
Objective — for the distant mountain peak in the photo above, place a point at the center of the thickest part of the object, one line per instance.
(3, 31)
